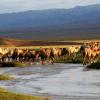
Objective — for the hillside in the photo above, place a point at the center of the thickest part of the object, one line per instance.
(78, 22)
(18, 43)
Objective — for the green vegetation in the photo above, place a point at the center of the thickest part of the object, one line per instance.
(5, 77)
(64, 59)
(5, 95)
(12, 64)
(94, 66)
(70, 59)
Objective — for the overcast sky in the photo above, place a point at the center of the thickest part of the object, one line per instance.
(7, 6)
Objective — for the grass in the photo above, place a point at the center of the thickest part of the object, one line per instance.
(94, 66)
(12, 64)
(64, 59)
(76, 39)
(2, 90)
(5, 95)
(5, 77)
(69, 59)
(38, 47)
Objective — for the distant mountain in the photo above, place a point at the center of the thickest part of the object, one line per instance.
(78, 22)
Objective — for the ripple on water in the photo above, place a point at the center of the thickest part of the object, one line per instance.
(61, 81)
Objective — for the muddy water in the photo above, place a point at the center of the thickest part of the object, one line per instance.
(59, 81)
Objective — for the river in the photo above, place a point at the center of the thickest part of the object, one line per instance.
(58, 81)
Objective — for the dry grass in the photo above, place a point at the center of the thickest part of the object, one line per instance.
(5, 95)
(46, 46)
(12, 64)
(37, 47)
(5, 77)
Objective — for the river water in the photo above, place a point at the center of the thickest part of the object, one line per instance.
(58, 81)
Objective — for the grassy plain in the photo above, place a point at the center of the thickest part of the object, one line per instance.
(37, 47)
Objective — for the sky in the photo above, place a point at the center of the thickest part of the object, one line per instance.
(8, 6)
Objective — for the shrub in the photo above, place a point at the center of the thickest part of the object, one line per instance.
(94, 66)
(12, 64)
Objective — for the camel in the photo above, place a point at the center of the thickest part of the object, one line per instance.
(91, 51)
(0, 57)
(64, 51)
(73, 50)
(56, 52)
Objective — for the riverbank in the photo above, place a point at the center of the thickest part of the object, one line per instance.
(94, 66)
(5, 95)
(5, 77)
(78, 59)
(12, 64)
(75, 59)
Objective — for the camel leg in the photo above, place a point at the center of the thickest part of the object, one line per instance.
(95, 59)
(84, 60)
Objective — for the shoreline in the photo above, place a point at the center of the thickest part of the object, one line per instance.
(7, 95)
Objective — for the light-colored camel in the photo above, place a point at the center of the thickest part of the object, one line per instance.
(91, 51)
(73, 49)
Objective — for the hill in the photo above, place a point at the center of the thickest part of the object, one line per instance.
(6, 42)
(78, 22)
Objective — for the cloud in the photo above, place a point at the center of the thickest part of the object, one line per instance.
(23, 5)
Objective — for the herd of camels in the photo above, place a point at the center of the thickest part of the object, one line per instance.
(90, 52)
